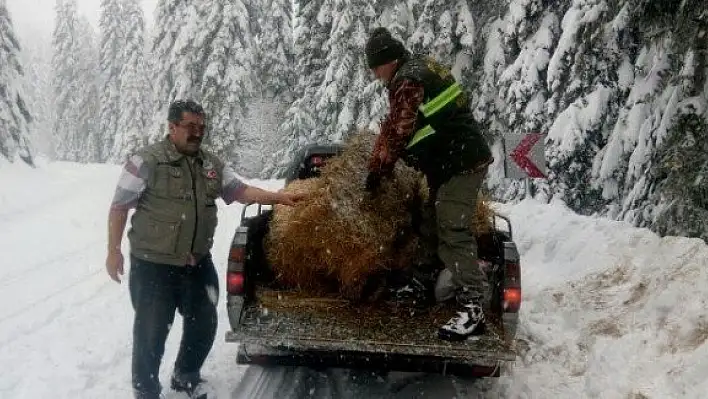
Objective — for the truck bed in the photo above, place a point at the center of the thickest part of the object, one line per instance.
(282, 327)
(288, 320)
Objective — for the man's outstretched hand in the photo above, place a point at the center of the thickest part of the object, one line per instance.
(290, 199)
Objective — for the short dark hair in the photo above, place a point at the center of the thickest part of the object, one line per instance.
(174, 114)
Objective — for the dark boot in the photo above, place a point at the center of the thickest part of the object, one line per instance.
(195, 388)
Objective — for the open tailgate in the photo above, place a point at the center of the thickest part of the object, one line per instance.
(283, 328)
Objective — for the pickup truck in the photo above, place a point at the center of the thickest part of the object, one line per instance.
(276, 326)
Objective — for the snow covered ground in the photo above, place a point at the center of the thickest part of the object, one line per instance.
(609, 311)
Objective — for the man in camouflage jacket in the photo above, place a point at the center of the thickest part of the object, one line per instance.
(431, 128)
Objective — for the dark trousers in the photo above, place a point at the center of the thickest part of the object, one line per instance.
(156, 291)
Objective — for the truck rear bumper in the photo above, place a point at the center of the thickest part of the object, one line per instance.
(265, 356)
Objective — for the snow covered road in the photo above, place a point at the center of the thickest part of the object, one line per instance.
(609, 311)
(301, 383)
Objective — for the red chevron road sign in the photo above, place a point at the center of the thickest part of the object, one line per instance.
(520, 155)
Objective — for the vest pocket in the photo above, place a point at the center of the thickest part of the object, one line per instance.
(170, 182)
(159, 236)
(176, 185)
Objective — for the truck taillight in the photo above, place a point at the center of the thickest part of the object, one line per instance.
(235, 278)
(512, 287)
(512, 299)
(237, 254)
(235, 283)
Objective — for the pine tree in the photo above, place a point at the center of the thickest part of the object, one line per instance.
(75, 85)
(275, 50)
(112, 42)
(581, 94)
(85, 113)
(14, 115)
(340, 102)
(312, 30)
(299, 127)
(256, 10)
(445, 31)
(65, 81)
(135, 85)
(423, 38)
(227, 81)
(397, 17)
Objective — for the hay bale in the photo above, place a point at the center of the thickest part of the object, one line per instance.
(341, 240)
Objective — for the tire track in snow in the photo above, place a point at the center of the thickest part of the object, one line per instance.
(79, 334)
(56, 184)
(37, 266)
(301, 383)
(46, 299)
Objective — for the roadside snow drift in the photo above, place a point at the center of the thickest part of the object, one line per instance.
(609, 310)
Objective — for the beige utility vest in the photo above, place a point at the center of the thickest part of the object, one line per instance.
(176, 214)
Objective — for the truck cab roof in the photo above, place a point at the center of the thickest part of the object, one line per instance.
(302, 166)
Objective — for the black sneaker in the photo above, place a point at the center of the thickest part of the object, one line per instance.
(148, 395)
(195, 389)
(468, 322)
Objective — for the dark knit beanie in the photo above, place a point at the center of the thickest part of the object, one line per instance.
(382, 48)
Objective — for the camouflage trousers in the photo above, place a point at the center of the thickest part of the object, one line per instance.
(447, 230)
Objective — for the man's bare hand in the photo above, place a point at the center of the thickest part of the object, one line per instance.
(291, 199)
(114, 266)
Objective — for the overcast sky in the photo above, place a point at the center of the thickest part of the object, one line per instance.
(31, 17)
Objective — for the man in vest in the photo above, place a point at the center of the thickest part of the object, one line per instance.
(173, 186)
(431, 128)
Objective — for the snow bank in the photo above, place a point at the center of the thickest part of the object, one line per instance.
(609, 310)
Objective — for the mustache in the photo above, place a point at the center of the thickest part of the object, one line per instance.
(194, 140)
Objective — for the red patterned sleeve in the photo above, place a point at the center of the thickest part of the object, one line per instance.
(131, 184)
(398, 127)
